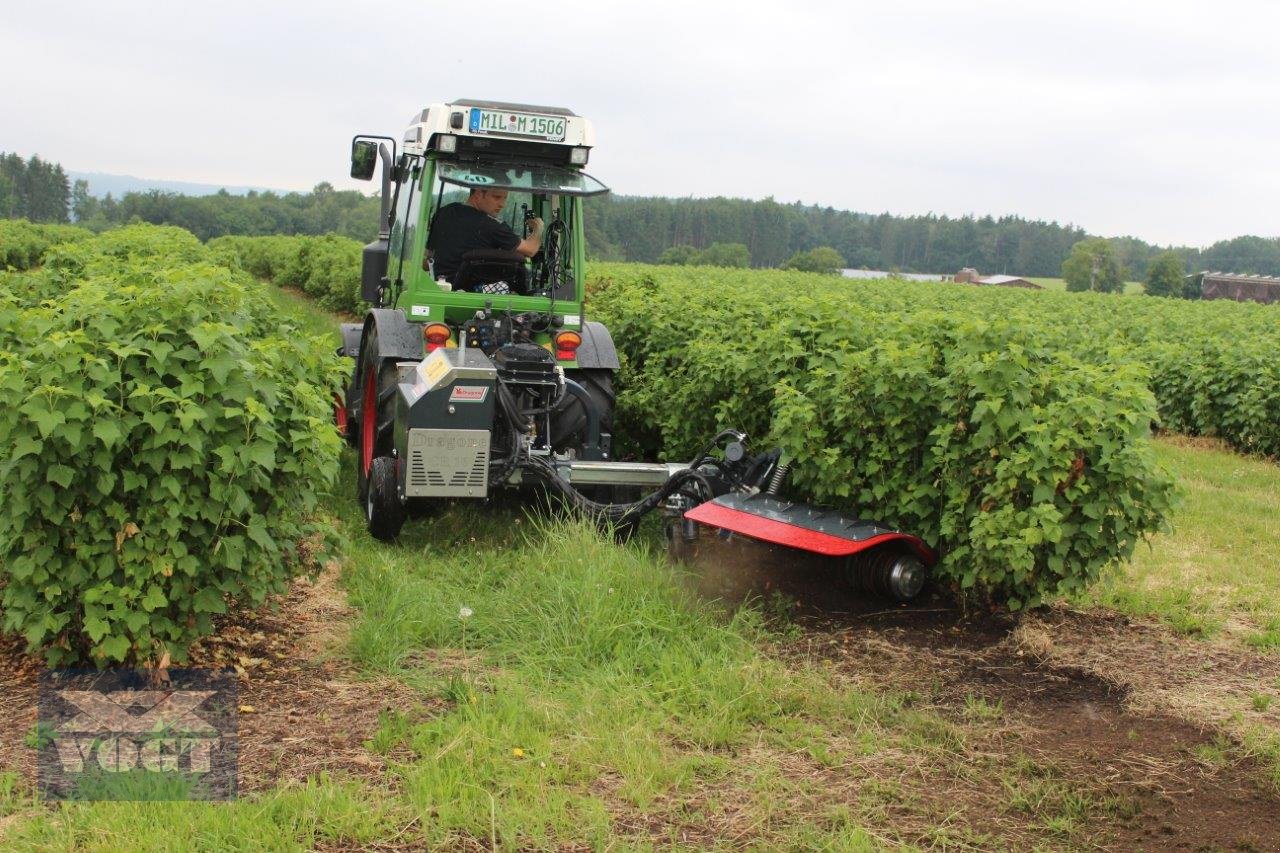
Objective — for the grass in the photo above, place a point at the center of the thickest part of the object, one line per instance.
(1130, 287)
(628, 700)
(322, 812)
(1218, 569)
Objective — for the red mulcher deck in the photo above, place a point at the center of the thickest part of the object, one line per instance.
(807, 528)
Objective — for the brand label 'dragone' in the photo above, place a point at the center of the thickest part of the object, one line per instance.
(468, 393)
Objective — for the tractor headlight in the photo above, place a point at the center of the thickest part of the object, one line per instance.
(578, 156)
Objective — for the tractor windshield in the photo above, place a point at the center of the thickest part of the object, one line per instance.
(521, 177)
(552, 271)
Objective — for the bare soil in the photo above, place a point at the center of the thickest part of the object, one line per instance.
(303, 710)
(1118, 708)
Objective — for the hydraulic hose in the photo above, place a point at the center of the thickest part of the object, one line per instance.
(621, 515)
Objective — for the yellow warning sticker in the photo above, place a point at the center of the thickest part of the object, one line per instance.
(435, 367)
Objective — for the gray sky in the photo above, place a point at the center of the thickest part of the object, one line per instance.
(1156, 119)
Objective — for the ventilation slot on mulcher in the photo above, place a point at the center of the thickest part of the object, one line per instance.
(457, 471)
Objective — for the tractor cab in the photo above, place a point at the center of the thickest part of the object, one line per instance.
(534, 153)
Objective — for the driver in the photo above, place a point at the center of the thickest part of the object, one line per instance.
(461, 227)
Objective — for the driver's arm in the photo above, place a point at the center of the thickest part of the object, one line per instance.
(530, 245)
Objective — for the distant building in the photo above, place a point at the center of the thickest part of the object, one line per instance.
(909, 276)
(969, 275)
(1241, 288)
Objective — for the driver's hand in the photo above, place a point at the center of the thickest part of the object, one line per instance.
(535, 225)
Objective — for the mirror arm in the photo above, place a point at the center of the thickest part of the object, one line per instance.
(384, 219)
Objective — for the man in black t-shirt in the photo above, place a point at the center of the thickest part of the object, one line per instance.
(460, 227)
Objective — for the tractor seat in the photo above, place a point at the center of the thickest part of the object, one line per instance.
(480, 267)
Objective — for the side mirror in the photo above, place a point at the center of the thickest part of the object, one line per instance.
(364, 156)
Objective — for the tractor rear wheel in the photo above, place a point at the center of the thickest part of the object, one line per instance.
(569, 427)
(383, 509)
(569, 422)
(376, 393)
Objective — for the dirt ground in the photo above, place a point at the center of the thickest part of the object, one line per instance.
(1125, 710)
(302, 709)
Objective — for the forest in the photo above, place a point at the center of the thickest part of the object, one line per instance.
(634, 228)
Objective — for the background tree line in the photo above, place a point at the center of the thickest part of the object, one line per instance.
(641, 229)
(33, 189)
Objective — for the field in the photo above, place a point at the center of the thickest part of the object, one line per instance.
(1130, 287)
(504, 678)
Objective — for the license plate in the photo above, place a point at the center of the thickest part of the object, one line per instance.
(550, 128)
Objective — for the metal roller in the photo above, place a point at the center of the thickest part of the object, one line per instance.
(889, 572)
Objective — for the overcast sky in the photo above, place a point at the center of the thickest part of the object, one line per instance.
(1157, 119)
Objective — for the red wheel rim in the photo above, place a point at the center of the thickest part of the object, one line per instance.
(368, 420)
(340, 415)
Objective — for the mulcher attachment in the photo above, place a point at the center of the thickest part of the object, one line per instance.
(795, 525)
(878, 559)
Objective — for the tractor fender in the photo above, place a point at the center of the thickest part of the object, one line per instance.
(397, 337)
(597, 350)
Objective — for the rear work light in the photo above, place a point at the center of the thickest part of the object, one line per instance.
(436, 335)
(578, 156)
(567, 344)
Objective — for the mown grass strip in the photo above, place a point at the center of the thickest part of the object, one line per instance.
(1218, 569)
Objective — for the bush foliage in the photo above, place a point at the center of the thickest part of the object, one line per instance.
(1028, 466)
(1007, 426)
(23, 243)
(168, 436)
(327, 267)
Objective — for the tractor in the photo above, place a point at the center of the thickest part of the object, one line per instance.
(494, 378)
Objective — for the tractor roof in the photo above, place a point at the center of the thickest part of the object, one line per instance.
(508, 107)
(475, 128)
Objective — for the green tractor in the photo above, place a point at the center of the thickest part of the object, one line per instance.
(476, 368)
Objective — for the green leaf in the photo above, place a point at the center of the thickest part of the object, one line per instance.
(96, 628)
(25, 445)
(47, 421)
(154, 599)
(208, 600)
(115, 648)
(61, 475)
(107, 431)
(263, 455)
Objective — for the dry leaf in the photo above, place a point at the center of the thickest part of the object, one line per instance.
(247, 709)
(129, 531)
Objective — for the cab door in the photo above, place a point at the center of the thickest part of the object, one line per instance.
(404, 224)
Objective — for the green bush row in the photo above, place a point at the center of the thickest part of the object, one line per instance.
(23, 243)
(167, 435)
(1027, 465)
(1212, 364)
(326, 267)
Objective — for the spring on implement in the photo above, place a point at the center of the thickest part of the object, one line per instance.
(779, 475)
(888, 572)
